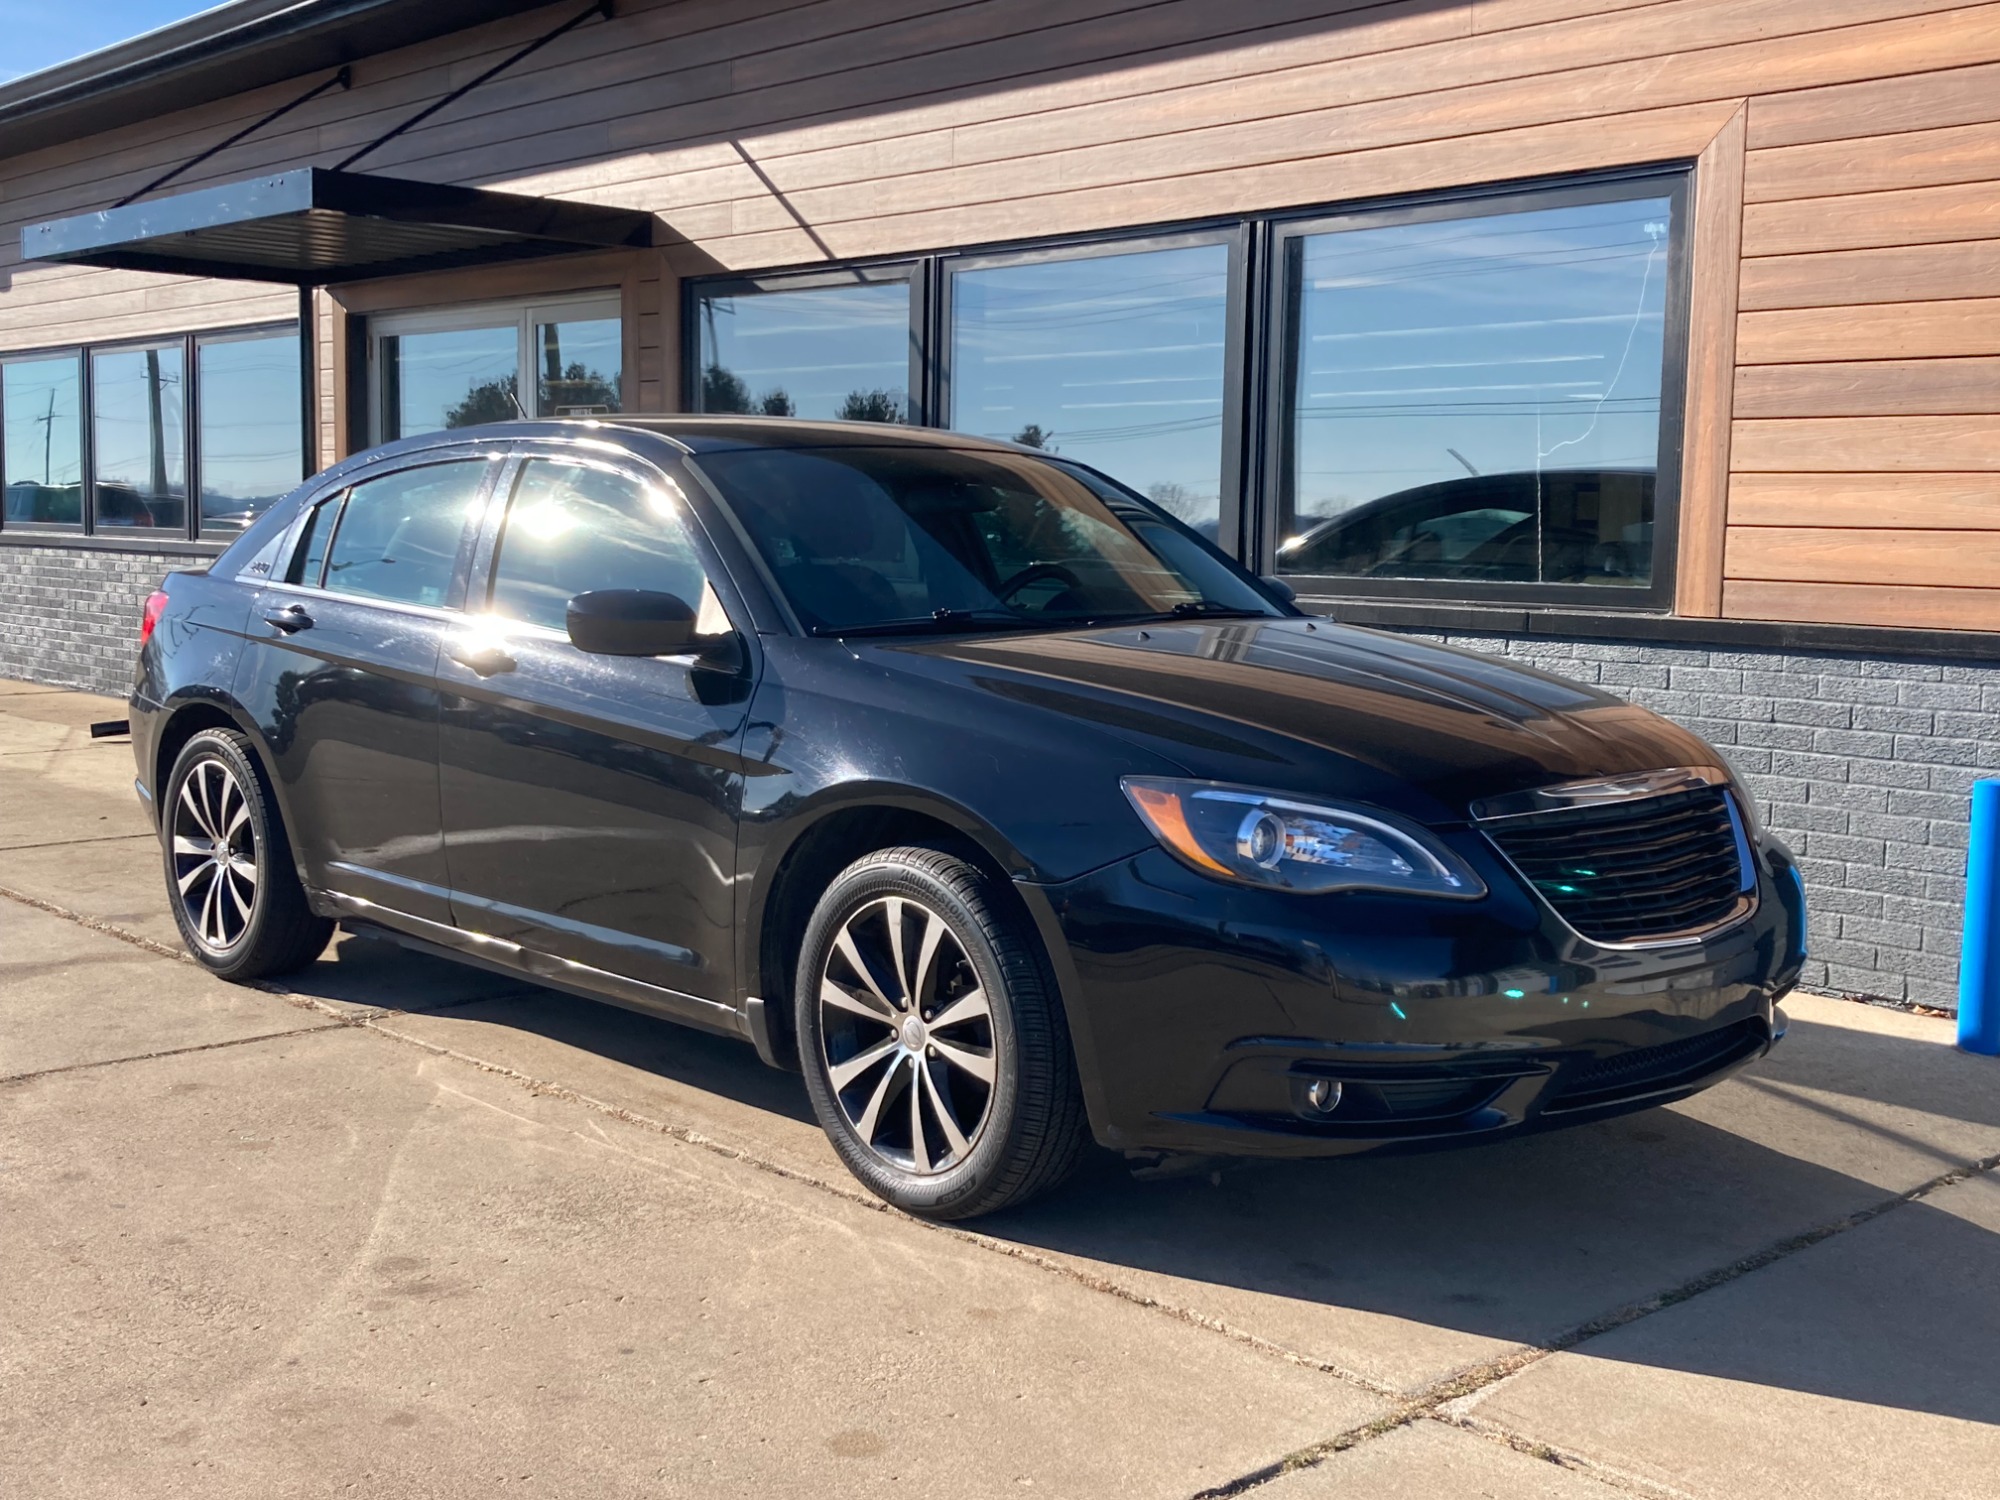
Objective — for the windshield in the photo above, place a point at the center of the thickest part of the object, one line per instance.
(908, 538)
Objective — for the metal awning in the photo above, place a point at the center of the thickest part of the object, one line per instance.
(314, 227)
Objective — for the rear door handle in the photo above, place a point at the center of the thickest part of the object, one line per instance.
(482, 657)
(288, 618)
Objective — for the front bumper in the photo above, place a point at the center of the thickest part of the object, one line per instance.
(1202, 1013)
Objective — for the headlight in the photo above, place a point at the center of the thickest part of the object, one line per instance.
(1261, 838)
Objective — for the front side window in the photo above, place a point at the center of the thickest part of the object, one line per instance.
(250, 440)
(898, 539)
(42, 400)
(1477, 396)
(1113, 359)
(827, 352)
(574, 528)
(139, 438)
(397, 537)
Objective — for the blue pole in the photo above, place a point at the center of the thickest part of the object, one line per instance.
(1979, 965)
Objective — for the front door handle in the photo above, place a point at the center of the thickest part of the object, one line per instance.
(482, 657)
(289, 618)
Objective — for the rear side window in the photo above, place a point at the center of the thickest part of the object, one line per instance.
(309, 561)
(398, 536)
(572, 528)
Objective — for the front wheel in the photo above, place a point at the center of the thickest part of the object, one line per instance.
(934, 1047)
(236, 896)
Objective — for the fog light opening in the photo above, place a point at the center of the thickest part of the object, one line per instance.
(1322, 1095)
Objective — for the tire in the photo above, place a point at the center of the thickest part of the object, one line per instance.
(985, 1005)
(230, 878)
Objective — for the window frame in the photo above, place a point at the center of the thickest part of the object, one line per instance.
(196, 459)
(85, 458)
(1234, 238)
(915, 272)
(605, 304)
(1252, 468)
(189, 401)
(1280, 317)
(138, 536)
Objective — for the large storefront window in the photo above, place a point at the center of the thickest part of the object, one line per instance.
(836, 351)
(249, 439)
(139, 438)
(464, 367)
(42, 442)
(1475, 394)
(1117, 359)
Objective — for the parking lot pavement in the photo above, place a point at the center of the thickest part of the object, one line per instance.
(413, 1229)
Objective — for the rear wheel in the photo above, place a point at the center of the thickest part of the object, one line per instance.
(934, 1048)
(235, 894)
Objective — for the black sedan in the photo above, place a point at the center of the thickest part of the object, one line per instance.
(958, 777)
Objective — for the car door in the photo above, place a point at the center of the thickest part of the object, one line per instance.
(341, 670)
(590, 802)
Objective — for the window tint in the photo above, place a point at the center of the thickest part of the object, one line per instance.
(1116, 360)
(398, 536)
(1479, 397)
(138, 422)
(572, 529)
(251, 445)
(43, 441)
(879, 537)
(839, 352)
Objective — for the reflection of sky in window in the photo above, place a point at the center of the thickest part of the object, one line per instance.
(249, 418)
(1522, 342)
(1117, 359)
(129, 431)
(438, 374)
(44, 431)
(807, 349)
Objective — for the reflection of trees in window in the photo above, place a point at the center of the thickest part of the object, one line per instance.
(1035, 436)
(495, 400)
(871, 406)
(579, 387)
(1179, 501)
(723, 390)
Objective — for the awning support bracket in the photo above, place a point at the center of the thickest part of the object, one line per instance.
(599, 8)
(343, 79)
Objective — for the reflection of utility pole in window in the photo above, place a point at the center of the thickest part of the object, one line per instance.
(155, 428)
(48, 437)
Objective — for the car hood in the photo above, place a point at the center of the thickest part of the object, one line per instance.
(1314, 707)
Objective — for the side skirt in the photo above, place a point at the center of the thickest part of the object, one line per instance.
(502, 957)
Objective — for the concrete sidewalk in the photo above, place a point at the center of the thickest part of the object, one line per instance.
(402, 1228)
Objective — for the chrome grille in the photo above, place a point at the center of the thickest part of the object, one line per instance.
(1636, 870)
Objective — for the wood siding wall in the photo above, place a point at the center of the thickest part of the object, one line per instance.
(1843, 459)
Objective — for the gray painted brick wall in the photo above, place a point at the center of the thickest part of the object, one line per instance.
(1863, 765)
(70, 615)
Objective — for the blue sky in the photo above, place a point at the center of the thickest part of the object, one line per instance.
(38, 34)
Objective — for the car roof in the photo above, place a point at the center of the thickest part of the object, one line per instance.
(707, 434)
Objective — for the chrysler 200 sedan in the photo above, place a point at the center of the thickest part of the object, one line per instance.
(958, 777)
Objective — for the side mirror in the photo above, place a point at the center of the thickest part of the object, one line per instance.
(631, 622)
(1279, 587)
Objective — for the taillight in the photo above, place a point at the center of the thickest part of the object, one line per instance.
(156, 605)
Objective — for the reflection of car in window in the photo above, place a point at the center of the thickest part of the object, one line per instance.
(1560, 526)
(44, 504)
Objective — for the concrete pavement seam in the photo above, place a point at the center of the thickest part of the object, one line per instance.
(1460, 1389)
(104, 838)
(112, 1062)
